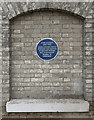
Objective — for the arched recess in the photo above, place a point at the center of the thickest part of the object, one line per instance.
(31, 77)
(18, 8)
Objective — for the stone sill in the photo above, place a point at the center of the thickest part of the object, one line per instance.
(47, 105)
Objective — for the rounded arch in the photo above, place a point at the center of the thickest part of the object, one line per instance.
(50, 10)
(15, 9)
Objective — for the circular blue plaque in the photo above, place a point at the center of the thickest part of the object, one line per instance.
(47, 49)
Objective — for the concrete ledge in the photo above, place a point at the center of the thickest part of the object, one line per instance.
(47, 105)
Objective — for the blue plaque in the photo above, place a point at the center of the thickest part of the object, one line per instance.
(47, 49)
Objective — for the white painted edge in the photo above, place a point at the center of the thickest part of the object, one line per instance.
(47, 105)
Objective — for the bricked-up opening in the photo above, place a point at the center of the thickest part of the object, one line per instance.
(34, 78)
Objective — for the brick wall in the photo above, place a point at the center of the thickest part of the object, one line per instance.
(0, 62)
(93, 61)
(32, 77)
(13, 9)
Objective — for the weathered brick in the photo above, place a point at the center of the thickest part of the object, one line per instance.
(66, 79)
